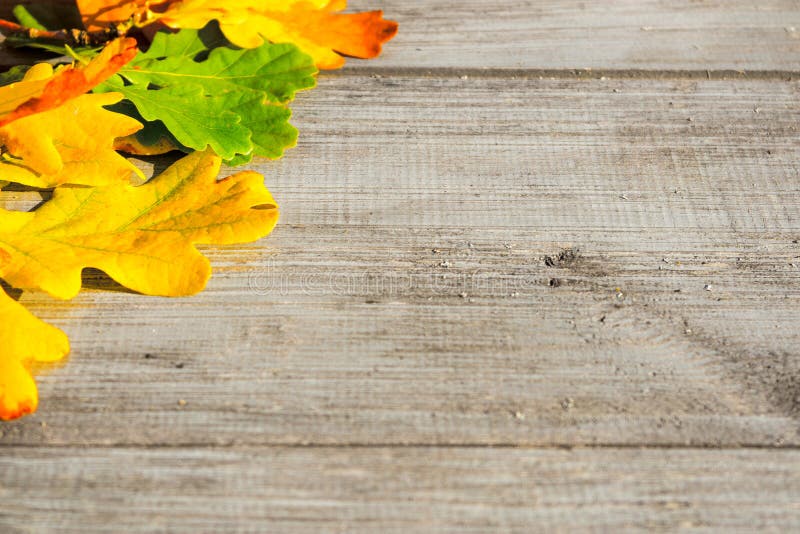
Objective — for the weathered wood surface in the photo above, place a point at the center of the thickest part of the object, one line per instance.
(453, 490)
(612, 34)
(406, 296)
(469, 260)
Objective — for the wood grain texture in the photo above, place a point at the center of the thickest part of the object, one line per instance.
(479, 267)
(519, 261)
(398, 490)
(575, 34)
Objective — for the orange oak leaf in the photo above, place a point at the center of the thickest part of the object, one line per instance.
(52, 133)
(143, 237)
(100, 14)
(317, 27)
(64, 84)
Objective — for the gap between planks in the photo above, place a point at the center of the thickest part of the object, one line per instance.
(411, 445)
(569, 74)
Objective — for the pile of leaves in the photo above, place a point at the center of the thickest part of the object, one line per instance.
(210, 79)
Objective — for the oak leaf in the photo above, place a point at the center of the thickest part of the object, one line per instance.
(197, 120)
(230, 100)
(48, 89)
(143, 237)
(316, 26)
(52, 133)
(277, 70)
(101, 14)
(26, 340)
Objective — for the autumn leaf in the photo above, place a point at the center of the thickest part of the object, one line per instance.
(101, 14)
(319, 30)
(279, 71)
(270, 131)
(48, 90)
(26, 340)
(268, 124)
(30, 86)
(51, 133)
(230, 100)
(219, 86)
(197, 120)
(316, 26)
(154, 145)
(73, 143)
(143, 237)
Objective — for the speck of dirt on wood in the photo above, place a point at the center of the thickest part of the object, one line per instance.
(565, 258)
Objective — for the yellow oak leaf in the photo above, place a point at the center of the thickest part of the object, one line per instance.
(51, 133)
(73, 143)
(25, 340)
(31, 86)
(143, 237)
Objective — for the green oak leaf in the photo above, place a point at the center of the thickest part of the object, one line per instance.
(195, 119)
(206, 93)
(278, 70)
(152, 131)
(192, 44)
(270, 130)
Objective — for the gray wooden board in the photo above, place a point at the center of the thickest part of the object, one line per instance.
(483, 256)
(453, 490)
(407, 297)
(576, 34)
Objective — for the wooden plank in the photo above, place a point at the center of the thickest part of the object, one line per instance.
(574, 34)
(518, 261)
(397, 490)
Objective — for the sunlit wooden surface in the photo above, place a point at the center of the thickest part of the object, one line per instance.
(537, 268)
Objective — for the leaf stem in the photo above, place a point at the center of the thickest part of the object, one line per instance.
(73, 37)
